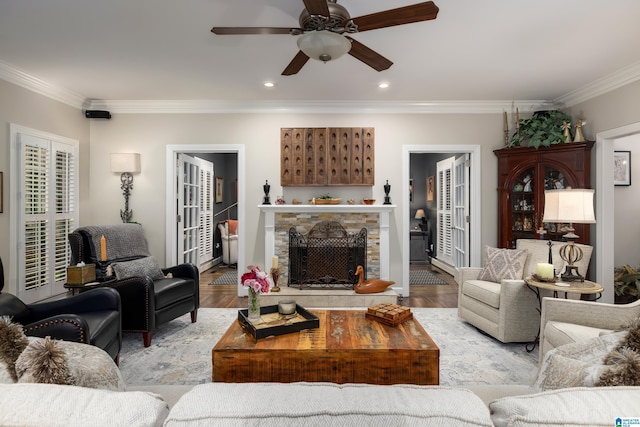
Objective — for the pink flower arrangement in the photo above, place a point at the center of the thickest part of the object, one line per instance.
(256, 279)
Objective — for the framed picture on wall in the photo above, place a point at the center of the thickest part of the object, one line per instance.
(219, 186)
(622, 168)
(411, 190)
(431, 188)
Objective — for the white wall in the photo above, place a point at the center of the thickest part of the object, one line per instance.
(149, 134)
(627, 207)
(609, 117)
(26, 108)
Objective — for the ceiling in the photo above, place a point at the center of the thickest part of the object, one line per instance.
(476, 50)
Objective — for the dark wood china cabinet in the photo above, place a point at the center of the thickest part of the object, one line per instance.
(524, 174)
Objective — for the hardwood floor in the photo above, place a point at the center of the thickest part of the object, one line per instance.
(441, 296)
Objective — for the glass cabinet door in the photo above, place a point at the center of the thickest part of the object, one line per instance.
(554, 180)
(523, 206)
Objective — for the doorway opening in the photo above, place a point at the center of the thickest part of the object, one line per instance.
(604, 244)
(234, 192)
(472, 205)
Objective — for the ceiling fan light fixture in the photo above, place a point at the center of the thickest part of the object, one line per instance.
(323, 45)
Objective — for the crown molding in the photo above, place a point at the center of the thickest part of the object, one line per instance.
(317, 107)
(18, 77)
(601, 86)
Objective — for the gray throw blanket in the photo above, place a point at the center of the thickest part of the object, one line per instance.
(123, 241)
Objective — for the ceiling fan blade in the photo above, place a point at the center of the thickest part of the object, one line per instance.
(296, 64)
(402, 15)
(250, 30)
(316, 7)
(368, 56)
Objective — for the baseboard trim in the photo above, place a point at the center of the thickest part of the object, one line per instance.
(444, 266)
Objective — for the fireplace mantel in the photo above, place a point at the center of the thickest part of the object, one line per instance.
(383, 211)
(327, 208)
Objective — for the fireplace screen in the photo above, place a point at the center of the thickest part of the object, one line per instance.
(327, 257)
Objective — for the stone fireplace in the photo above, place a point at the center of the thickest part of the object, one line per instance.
(279, 219)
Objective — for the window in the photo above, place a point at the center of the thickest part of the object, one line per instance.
(45, 210)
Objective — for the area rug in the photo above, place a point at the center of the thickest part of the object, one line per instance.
(227, 278)
(424, 277)
(180, 352)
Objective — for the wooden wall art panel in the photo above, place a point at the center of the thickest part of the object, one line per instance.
(327, 156)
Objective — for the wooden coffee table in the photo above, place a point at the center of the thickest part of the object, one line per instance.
(346, 348)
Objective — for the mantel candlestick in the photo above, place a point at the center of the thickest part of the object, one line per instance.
(387, 189)
(275, 275)
(266, 187)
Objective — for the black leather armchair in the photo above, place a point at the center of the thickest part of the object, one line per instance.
(146, 303)
(92, 317)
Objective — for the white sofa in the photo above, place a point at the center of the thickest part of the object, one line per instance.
(313, 404)
(508, 311)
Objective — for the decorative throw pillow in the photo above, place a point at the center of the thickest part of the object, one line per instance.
(12, 342)
(622, 365)
(65, 362)
(147, 266)
(233, 226)
(578, 364)
(503, 264)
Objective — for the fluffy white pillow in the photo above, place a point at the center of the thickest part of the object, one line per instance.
(65, 362)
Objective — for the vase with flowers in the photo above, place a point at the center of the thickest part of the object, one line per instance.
(257, 282)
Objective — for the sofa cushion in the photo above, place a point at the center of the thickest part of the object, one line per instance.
(324, 404)
(147, 266)
(573, 406)
(577, 364)
(484, 291)
(503, 264)
(65, 362)
(69, 406)
(561, 333)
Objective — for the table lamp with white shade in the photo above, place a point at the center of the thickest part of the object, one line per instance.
(573, 206)
(423, 219)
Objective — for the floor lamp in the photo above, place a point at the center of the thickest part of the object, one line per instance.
(573, 206)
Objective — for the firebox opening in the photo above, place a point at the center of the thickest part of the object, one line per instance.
(327, 257)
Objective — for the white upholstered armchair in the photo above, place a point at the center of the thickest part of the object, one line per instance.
(229, 234)
(508, 311)
(567, 321)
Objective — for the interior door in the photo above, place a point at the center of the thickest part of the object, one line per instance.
(461, 211)
(206, 212)
(444, 178)
(188, 210)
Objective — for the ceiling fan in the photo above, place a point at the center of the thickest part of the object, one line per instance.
(323, 24)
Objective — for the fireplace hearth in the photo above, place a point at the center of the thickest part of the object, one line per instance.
(326, 257)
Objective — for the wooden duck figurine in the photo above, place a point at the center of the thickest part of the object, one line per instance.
(370, 286)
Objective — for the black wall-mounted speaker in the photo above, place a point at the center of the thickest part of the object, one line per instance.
(97, 114)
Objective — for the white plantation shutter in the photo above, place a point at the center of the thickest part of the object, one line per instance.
(47, 213)
(206, 211)
(445, 211)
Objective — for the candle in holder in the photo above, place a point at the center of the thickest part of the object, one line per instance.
(274, 262)
(545, 271)
(103, 248)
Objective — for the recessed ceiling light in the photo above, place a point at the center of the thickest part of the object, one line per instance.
(269, 84)
(383, 85)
